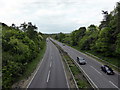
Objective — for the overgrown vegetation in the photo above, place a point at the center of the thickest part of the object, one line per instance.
(102, 40)
(20, 47)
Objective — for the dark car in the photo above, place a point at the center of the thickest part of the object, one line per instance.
(63, 44)
(107, 69)
(81, 61)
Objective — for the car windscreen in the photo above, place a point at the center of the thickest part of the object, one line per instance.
(82, 60)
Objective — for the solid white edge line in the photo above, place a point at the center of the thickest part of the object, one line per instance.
(48, 76)
(65, 74)
(96, 70)
(36, 70)
(35, 74)
(71, 74)
(114, 84)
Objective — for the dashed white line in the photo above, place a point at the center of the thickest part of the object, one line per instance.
(113, 84)
(96, 70)
(50, 64)
(48, 76)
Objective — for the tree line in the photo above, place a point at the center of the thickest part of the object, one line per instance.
(103, 39)
(20, 46)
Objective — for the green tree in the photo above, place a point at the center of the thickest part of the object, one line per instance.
(24, 26)
(61, 36)
(77, 35)
(118, 44)
(106, 19)
(89, 38)
(18, 50)
(102, 44)
(118, 18)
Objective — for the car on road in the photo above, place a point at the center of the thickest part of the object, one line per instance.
(63, 44)
(107, 69)
(81, 61)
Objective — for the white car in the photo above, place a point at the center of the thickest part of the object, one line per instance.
(81, 60)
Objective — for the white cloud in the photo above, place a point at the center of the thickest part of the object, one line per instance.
(54, 15)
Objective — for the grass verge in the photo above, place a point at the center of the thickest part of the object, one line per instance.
(79, 77)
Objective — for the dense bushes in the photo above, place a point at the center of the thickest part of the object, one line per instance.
(19, 48)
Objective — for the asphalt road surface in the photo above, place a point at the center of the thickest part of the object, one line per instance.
(50, 73)
(92, 69)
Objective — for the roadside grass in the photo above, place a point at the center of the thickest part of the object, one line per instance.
(32, 66)
(70, 77)
(78, 76)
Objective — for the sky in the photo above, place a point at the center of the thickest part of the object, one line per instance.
(54, 16)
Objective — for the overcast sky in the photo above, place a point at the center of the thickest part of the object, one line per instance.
(52, 16)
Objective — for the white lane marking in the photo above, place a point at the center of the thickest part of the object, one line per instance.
(65, 76)
(64, 72)
(63, 68)
(72, 74)
(96, 70)
(113, 84)
(50, 64)
(48, 76)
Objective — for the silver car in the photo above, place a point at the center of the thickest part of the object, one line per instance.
(81, 61)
